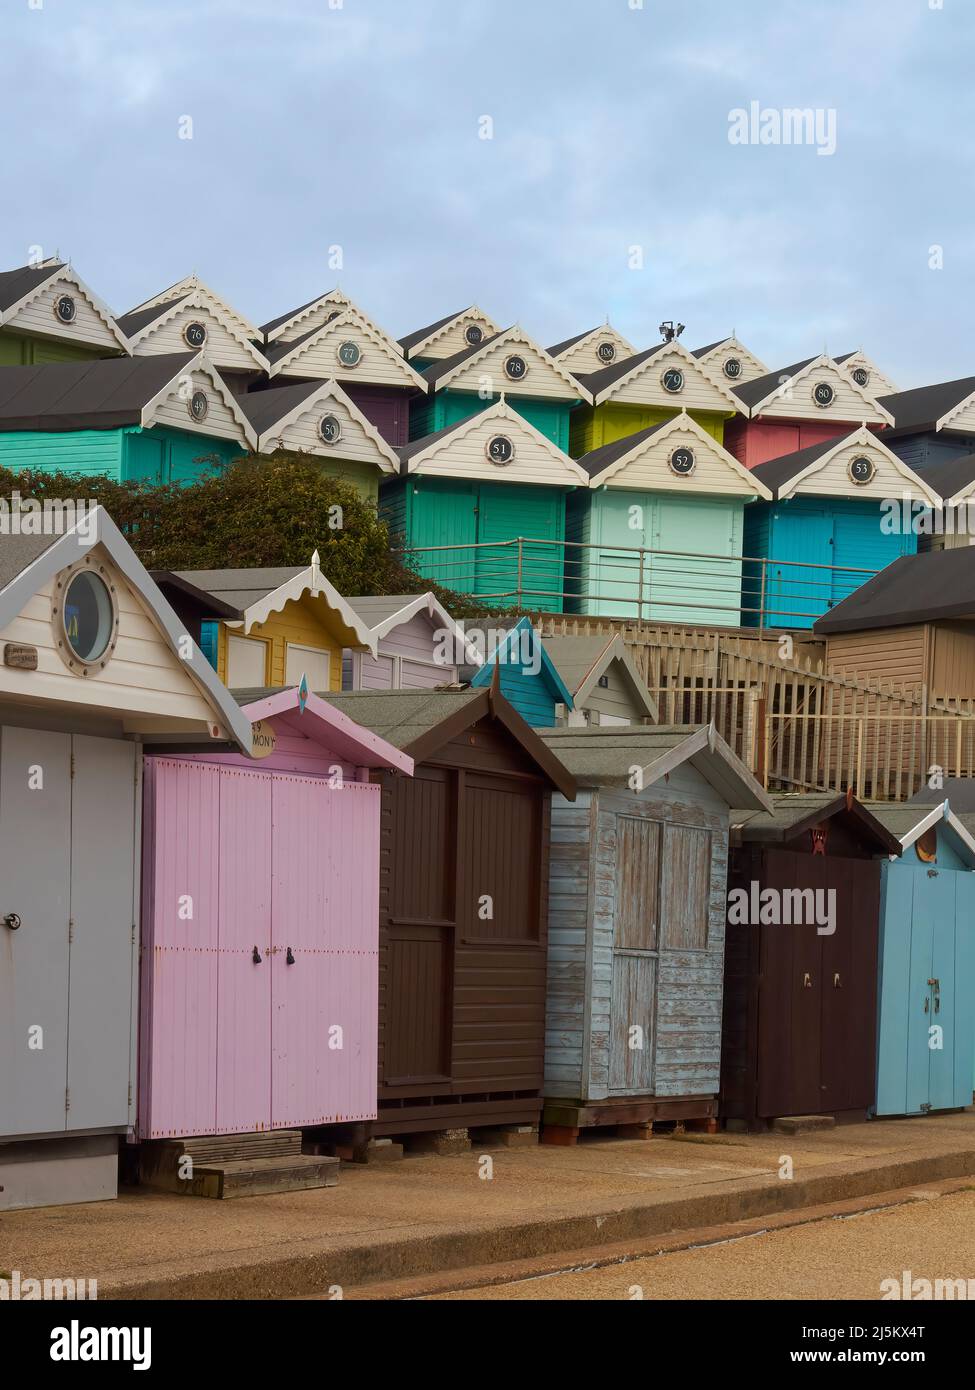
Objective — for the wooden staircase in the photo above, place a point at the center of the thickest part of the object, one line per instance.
(234, 1165)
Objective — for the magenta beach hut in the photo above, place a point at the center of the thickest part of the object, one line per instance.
(260, 926)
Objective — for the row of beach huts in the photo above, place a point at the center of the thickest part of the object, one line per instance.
(668, 484)
(394, 892)
(290, 876)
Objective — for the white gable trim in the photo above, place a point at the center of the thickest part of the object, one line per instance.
(818, 364)
(683, 421)
(71, 547)
(627, 348)
(99, 306)
(352, 317)
(735, 345)
(332, 391)
(867, 439)
(200, 364)
(429, 603)
(338, 300)
(501, 410)
(650, 364)
(946, 420)
(938, 814)
(471, 312)
(200, 300)
(309, 581)
(190, 284)
(513, 335)
(860, 359)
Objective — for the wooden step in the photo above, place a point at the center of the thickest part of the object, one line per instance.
(262, 1176)
(223, 1148)
(238, 1177)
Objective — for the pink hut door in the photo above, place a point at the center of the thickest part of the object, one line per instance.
(179, 995)
(325, 978)
(244, 979)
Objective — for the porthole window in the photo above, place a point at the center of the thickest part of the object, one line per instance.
(500, 450)
(861, 470)
(732, 368)
(350, 354)
(673, 380)
(682, 461)
(823, 394)
(606, 352)
(199, 406)
(473, 335)
(195, 334)
(861, 376)
(330, 429)
(85, 617)
(515, 368)
(65, 309)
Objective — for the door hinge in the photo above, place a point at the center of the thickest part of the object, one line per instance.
(133, 933)
(72, 767)
(130, 1093)
(67, 1098)
(70, 930)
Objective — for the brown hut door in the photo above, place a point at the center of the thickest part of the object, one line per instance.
(850, 955)
(635, 942)
(417, 963)
(790, 995)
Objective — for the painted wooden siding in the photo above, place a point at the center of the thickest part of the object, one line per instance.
(586, 928)
(952, 660)
(714, 362)
(645, 387)
(463, 454)
(833, 479)
(380, 363)
(583, 357)
(919, 451)
(542, 381)
(405, 661)
(222, 348)
(849, 402)
(756, 441)
(592, 427)
(85, 452)
(649, 469)
(462, 996)
(144, 676)
(431, 413)
(174, 409)
(295, 624)
(276, 861)
(89, 329)
(450, 339)
(896, 654)
(19, 351)
(610, 704)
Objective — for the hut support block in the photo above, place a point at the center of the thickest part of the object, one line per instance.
(439, 1141)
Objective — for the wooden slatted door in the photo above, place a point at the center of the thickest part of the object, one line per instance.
(243, 1000)
(848, 1046)
(324, 951)
(635, 943)
(790, 998)
(416, 969)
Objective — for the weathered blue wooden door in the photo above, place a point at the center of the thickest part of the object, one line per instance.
(927, 968)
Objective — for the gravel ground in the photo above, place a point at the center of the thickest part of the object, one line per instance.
(832, 1259)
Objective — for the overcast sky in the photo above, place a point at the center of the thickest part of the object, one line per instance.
(360, 126)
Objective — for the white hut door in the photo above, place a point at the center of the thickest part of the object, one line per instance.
(635, 940)
(35, 900)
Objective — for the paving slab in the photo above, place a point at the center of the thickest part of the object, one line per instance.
(452, 1211)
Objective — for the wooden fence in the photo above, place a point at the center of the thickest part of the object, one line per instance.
(797, 727)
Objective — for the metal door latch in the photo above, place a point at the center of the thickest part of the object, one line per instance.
(289, 958)
(12, 921)
(807, 981)
(837, 982)
(256, 956)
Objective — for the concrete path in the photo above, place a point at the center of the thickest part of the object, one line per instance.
(428, 1214)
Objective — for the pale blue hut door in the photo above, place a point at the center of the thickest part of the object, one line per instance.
(635, 937)
(797, 594)
(624, 519)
